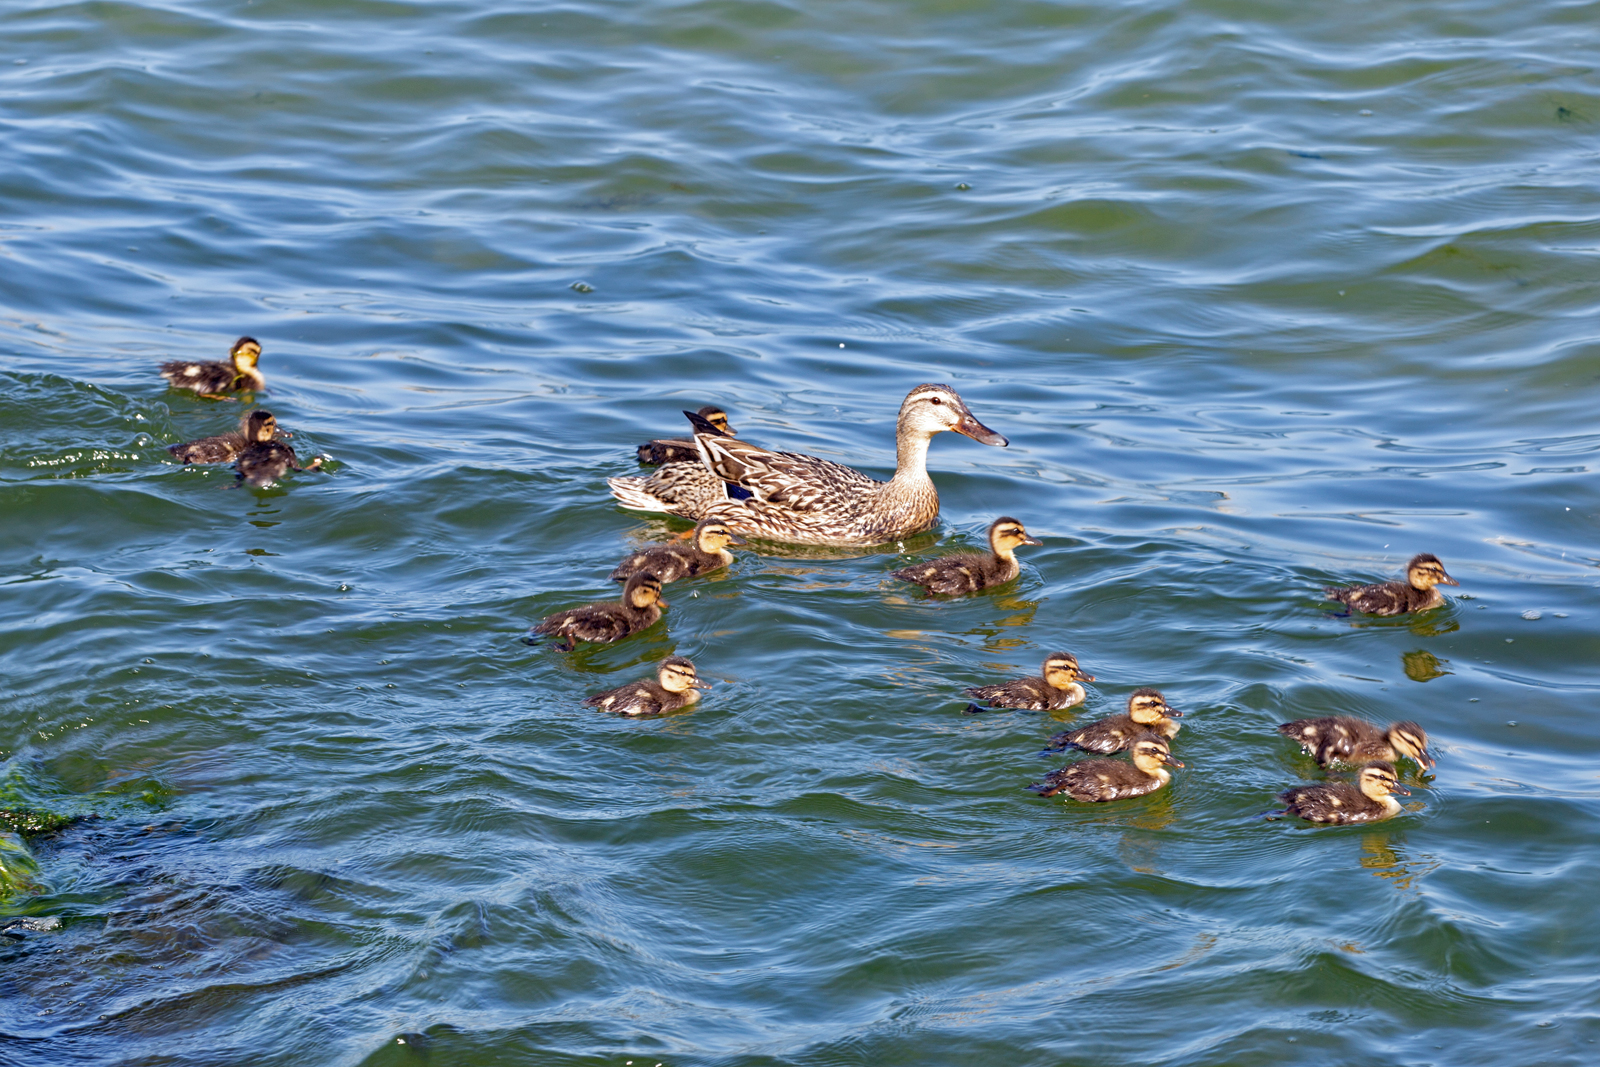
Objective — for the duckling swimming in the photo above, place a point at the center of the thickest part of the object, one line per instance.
(213, 379)
(265, 462)
(1056, 687)
(968, 572)
(675, 687)
(1341, 802)
(1342, 739)
(705, 552)
(1148, 712)
(257, 426)
(684, 450)
(1416, 593)
(1094, 780)
(639, 609)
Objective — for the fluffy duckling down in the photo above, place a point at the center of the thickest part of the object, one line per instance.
(704, 552)
(1416, 593)
(1342, 739)
(676, 686)
(1367, 800)
(1148, 712)
(968, 572)
(683, 449)
(638, 610)
(214, 379)
(256, 427)
(1095, 780)
(1057, 686)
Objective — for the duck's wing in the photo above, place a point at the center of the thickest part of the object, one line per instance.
(789, 480)
(1385, 598)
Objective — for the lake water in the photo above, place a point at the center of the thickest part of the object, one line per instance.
(1265, 295)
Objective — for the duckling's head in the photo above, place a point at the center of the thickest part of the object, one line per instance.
(1151, 751)
(718, 418)
(260, 425)
(677, 675)
(931, 409)
(245, 352)
(1006, 534)
(713, 536)
(1148, 706)
(1411, 740)
(643, 590)
(1061, 671)
(1425, 571)
(1378, 780)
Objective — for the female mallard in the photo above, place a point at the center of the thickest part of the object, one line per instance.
(683, 449)
(1094, 780)
(265, 462)
(1340, 802)
(1148, 712)
(1056, 687)
(1342, 739)
(968, 572)
(257, 426)
(805, 500)
(675, 687)
(1416, 593)
(639, 609)
(214, 379)
(705, 552)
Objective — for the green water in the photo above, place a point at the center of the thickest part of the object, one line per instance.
(1264, 296)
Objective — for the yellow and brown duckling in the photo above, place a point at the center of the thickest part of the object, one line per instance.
(1057, 686)
(265, 462)
(968, 572)
(1366, 800)
(676, 686)
(1342, 739)
(213, 379)
(684, 450)
(1416, 593)
(257, 426)
(1148, 712)
(638, 610)
(1094, 780)
(704, 552)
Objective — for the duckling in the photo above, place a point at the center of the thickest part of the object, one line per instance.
(1416, 593)
(968, 572)
(1148, 712)
(669, 562)
(1341, 739)
(1056, 687)
(684, 450)
(259, 425)
(1341, 802)
(1093, 780)
(639, 609)
(675, 687)
(265, 462)
(213, 379)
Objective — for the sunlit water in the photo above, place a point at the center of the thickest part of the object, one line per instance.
(1266, 296)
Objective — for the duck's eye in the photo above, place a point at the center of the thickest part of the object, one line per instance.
(935, 400)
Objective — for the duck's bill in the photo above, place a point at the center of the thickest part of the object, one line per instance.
(735, 539)
(1170, 762)
(1030, 540)
(698, 684)
(1398, 788)
(1172, 713)
(1447, 580)
(976, 430)
(1085, 677)
(1426, 761)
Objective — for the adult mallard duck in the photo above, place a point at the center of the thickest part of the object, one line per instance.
(1094, 780)
(805, 500)
(706, 551)
(968, 572)
(1416, 593)
(675, 687)
(684, 450)
(257, 426)
(213, 379)
(638, 610)
(1341, 802)
(1342, 739)
(1056, 687)
(1148, 712)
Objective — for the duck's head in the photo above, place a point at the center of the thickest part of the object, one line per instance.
(677, 675)
(1148, 707)
(1151, 751)
(1007, 534)
(1411, 740)
(643, 590)
(1061, 671)
(260, 425)
(931, 409)
(1425, 571)
(1378, 780)
(718, 418)
(244, 353)
(713, 536)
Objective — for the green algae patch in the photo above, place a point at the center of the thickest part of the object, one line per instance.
(19, 871)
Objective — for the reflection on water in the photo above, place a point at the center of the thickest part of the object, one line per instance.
(1383, 854)
(1423, 666)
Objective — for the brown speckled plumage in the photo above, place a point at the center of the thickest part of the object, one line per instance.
(675, 686)
(1148, 712)
(1095, 780)
(1366, 800)
(213, 379)
(1055, 687)
(701, 554)
(265, 462)
(684, 450)
(1342, 739)
(1416, 593)
(968, 572)
(258, 425)
(638, 609)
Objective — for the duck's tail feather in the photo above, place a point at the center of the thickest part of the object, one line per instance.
(632, 494)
